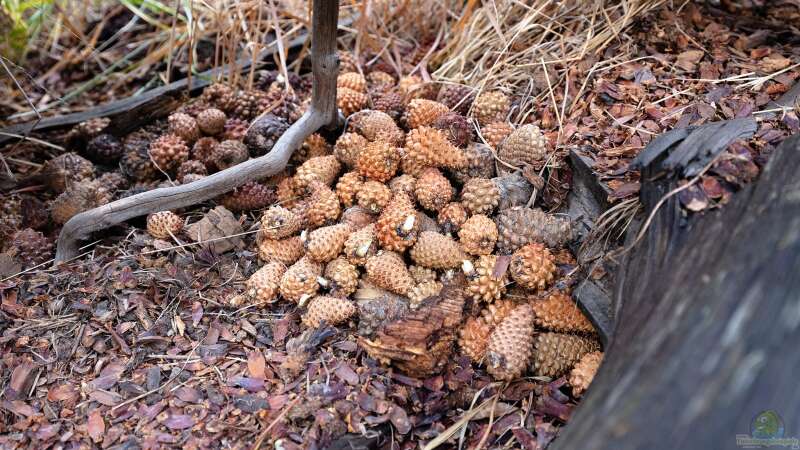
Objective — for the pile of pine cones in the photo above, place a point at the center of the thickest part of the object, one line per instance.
(408, 208)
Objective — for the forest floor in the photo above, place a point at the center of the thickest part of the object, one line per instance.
(147, 342)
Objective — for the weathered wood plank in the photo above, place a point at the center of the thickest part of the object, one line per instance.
(706, 334)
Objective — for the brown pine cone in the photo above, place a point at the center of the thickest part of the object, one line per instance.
(421, 112)
(203, 151)
(397, 226)
(526, 146)
(361, 245)
(390, 102)
(520, 225)
(315, 145)
(379, 161)
(329, 310)
(584, 371)
(357, 217)
(451, 217)
(478, 235)
(211, 121)
(558, 312)
(404, 183)
(323, 205)
(348, 186)
(105, 149)
(351, 80)
(249, 196)
(322, 168)
(491, 106)
(229, 153)
(263, 284)
(456, 127)
(482, 281)
(30, 247)
(433, 190)
(422, 292)
(164, 224)
(533, 266)
(299, 283)
(324, 244)
(555, 354)
(85, 131)
(350, 101)
(457, 97)
(235, 129)
(480, 163)
(509, 348)
(494, 133)
(480, 196)
(285, 250)
(379, 81)
(377, 126)
(348, 147)
(341, 277)
(168, 152)
(388, 271)
(65, 170)
(437, 251)
(430, 147)
(474, 338)
(278, 222)
(78, 198)
(374, 196)
(185, 127)
(264, 133)
(191, 167)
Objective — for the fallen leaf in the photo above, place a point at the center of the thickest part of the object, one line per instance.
(256, 365)
(688, 60)
(95, 426)
(21, 377)
(179, 422)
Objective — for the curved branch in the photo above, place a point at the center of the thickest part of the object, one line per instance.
(322, 112)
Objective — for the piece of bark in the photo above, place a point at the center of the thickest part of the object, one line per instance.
(216, 224)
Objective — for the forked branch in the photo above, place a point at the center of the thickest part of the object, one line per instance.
(322, 112)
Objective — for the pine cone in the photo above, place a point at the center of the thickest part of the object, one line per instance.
(430, 147)
(584, 371)
(495, 133)
(421, 112)
(533, 266)
(451, 217)
(388, 271)
(389, 102)
(329, 310)
(437, 251)
(76, 199)
(377, 126)
(526, 146)
(519, 225)
(31, 247)
(245, 104)
(480, 196)
(314, 146)
(492, 106)
(216, 94)
(378, 161)
(348, 186)
(65, 170)
(285, 250)
(323, 205)
(235, 129)
(482, 282)
(348, 147)
(324, 244)
(168, 152)
(164, 224)
(457, 97)
(555, 354)
(278, 222)
(211, 121)
(229, 153)
(342, 277)
(10, 216)
(558, 312)
(403, 183)
(322, 168)
(350, 101)
(379, 81)
(347, 62)
(351, 80)
(433, 190)
(397, 225)
(478, 235)
(300, 280)
(374, 196)
(456, 127)
(357, 217)
(361, 245)
(473, 339)
(510, 344)
(203, 151)
(264, 133)
(422, 274)
(422, 292)
(191, 167)
(412, 87)
(263, 284)
(113, 181)
(249, 196)
(105, 149)
(85, 131)
(480, 163)
(185, 127)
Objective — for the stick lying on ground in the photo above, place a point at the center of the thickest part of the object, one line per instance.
(322, 112)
